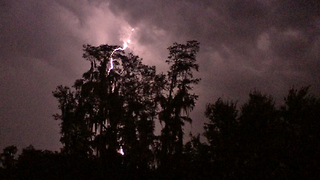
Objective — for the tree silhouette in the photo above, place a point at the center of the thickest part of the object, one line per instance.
(107, 124)
(7, 157)
(256, 140)
(196, 162)
(301, 116)
(75, 135)
(177, 101)
(8, 162)
(256, 134)
(107, 112)
(113, 111)
(221, 133)
(263, 141)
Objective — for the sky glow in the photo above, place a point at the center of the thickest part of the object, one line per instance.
(125, 45)
(269, 46)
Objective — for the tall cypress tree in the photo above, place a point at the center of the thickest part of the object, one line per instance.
(178, 101)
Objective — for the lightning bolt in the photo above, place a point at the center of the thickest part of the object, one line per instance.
(125, 45)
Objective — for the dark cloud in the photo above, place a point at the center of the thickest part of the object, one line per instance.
(245, 45)
(38, 52)
(298, 14)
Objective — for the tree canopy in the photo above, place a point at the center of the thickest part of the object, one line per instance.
(107, 126)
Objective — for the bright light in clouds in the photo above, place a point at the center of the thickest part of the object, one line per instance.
(121, 151)
(127, 40)
(126, 43)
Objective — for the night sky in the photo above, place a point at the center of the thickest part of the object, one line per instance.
(268, 45)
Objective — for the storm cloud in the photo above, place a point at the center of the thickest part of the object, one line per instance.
(244, 45)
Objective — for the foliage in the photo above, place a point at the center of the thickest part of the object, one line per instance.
(104, 113)
(107, 112)
(7, 157)
(262, 141)
(177, 101)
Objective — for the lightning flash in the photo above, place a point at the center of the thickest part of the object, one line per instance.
(125, 45)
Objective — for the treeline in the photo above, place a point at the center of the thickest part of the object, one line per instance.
(108, 117)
